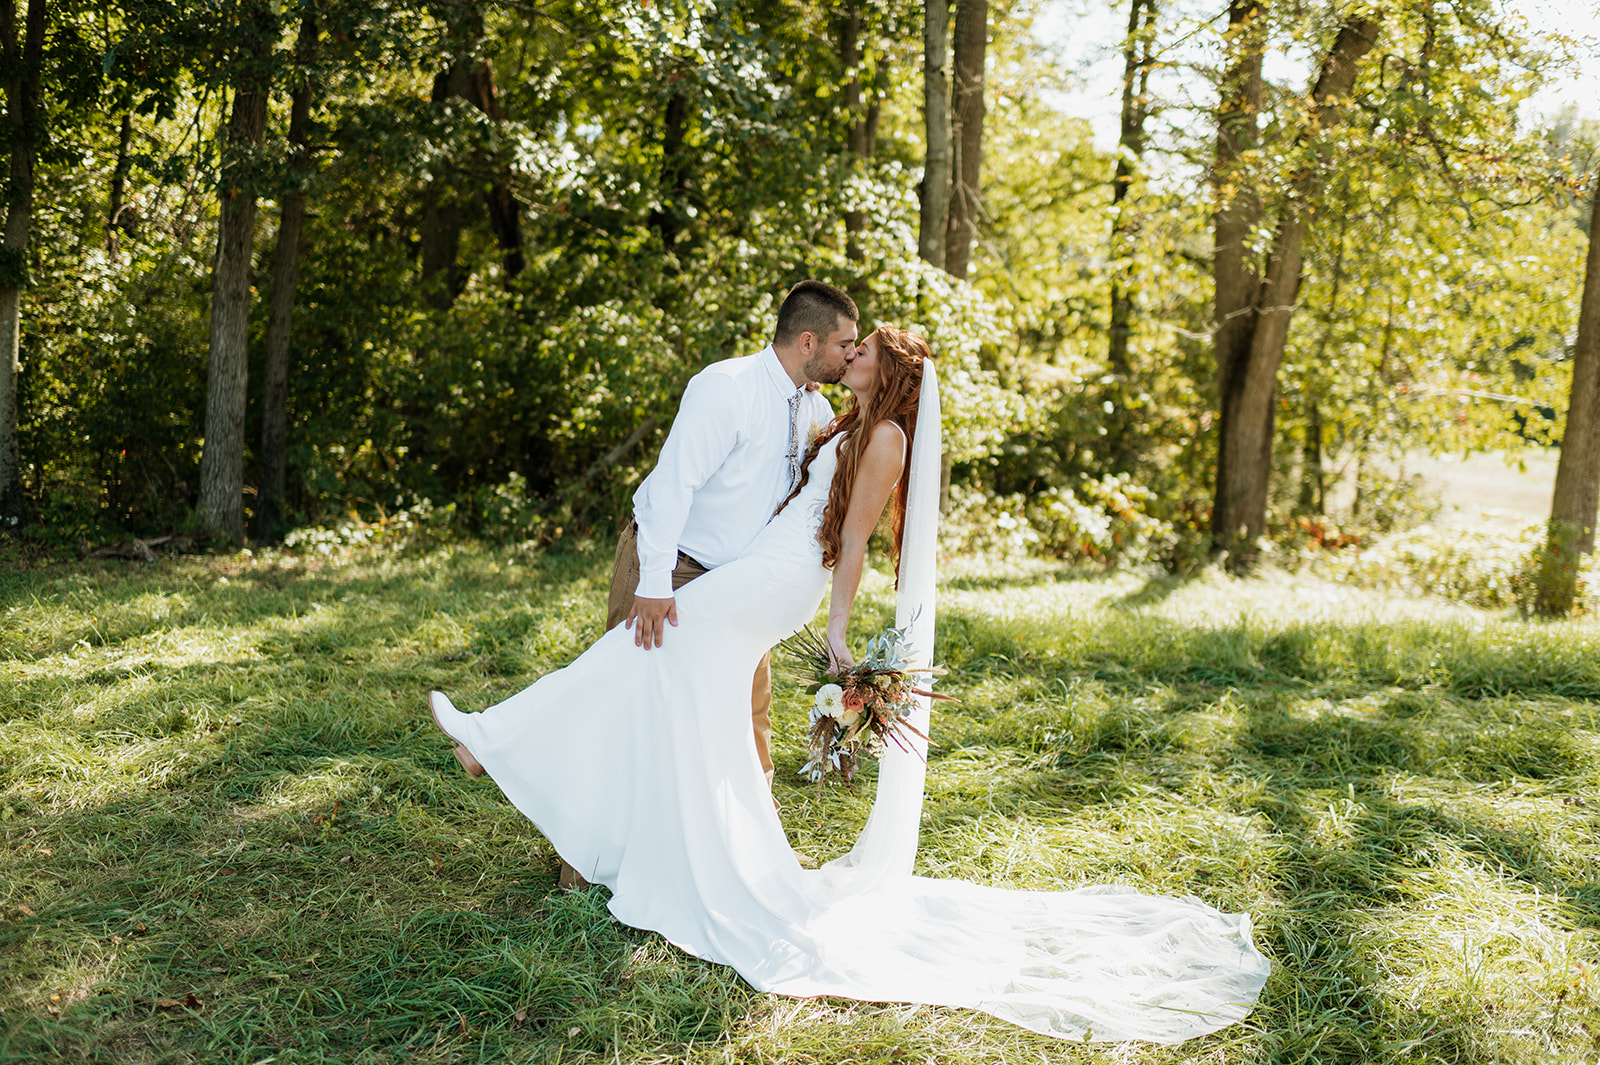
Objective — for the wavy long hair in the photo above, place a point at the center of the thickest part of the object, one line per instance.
(899, 387)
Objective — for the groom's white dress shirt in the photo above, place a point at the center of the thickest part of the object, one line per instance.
(724, 468)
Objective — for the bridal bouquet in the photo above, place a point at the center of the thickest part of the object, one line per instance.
(856, 712)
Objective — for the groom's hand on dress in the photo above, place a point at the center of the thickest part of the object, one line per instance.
(649, 620)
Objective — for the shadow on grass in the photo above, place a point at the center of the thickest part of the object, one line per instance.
(336, 920)
(281, 835)
(320, 880)
(1153, 592)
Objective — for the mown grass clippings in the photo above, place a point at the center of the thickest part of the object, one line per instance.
(231, 834)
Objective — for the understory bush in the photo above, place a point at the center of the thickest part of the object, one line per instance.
(1104, 521)
(1478, 567)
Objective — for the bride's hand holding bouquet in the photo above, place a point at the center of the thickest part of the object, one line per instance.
(858, 709)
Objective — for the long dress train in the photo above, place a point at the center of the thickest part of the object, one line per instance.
(640, 768)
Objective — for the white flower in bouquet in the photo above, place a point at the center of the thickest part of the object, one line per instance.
(829, 703)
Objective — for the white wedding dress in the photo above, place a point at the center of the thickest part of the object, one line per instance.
(640, 768)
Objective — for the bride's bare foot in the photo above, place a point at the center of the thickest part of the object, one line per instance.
(570, 879)
(473, 767)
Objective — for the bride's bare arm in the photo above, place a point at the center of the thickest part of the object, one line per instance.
(881, 466)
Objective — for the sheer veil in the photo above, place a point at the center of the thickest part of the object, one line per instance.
(887, 846)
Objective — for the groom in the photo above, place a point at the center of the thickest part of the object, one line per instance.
(731, 457)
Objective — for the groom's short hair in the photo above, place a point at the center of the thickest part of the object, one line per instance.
(813, 307)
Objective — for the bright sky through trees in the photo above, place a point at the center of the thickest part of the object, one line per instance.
(1088, 38)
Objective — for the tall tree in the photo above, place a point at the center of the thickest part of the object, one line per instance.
(468, 77)
(119, 181)
(669, 217)
(23, 63)
(862, 115)
(1138, 57)
(971, 50)
(220, 511)
(273, 458)
(1238, 207)
(1577, 490)
(1250, 352)
(936, 172)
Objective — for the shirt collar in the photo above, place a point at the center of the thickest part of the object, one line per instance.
(780, 377)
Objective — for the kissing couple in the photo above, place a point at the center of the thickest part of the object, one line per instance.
(647, 762)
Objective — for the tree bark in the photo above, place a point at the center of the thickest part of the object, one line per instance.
(1249, 363)
(668, 218)
(444, 213)
(220, 512)
(966, 205)
(1576, 498)
(1138, 57)
(863, 123)
(1311, 479)
(443, 216)
(23, 63)
(1238, 208)
(119, 180)
(936, 128)
(505, 212)
(272, 482)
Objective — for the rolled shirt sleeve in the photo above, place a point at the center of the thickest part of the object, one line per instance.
(707, 428)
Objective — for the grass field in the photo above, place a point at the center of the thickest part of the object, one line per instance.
(231, 834)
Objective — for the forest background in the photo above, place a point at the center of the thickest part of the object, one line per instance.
(343, 271)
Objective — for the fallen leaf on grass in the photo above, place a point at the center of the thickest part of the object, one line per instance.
(25, 910)
(191, 1001)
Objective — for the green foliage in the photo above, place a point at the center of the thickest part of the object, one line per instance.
(675, 170)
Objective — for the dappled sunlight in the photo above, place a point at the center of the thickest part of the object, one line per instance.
(1407, 808)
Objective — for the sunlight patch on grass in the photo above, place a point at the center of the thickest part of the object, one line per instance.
(217, 778)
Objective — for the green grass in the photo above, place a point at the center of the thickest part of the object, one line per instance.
(218, 780)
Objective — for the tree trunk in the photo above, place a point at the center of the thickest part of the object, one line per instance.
(271, 489)
(863, 126)
(505, 213)
(1311, 479)
(966, 205)
(668, 218)
(936, 126)
(119, 180)
(220, 512)
(443, 216)
(21, 78)
(1312, 488)
(1138, 57)
(1256, 334)
(1238, 208)
(444, 213)
(1577, 491)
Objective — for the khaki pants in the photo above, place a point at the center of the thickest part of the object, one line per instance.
(624, 581)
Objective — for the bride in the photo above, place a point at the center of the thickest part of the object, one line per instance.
(640, 767)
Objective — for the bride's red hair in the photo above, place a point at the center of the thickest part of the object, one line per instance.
(899, 386)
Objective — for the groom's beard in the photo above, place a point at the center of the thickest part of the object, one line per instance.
(816, 371)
